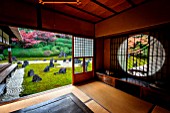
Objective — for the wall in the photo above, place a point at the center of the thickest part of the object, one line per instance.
(99, 54)
(102, 52)
(152, 13)
(106, 54)
(58, 22)
(19, 13)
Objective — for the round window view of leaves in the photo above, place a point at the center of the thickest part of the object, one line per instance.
(144, 55)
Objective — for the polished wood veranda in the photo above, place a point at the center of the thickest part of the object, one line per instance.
(99, 97)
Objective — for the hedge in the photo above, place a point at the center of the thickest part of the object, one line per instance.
(2, 56)
(20, 52)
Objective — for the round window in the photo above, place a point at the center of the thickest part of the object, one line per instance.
(143, 55)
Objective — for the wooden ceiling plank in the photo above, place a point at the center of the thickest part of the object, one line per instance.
(102, 5)
(131, 3)
(85, 11)
(72, 16)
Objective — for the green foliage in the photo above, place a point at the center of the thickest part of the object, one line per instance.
(2, 56)
(61, 44)
(46, 48)
(66, 50)
(68, 45)
(64, 40)
(49, 80)
(140, 62)
(38, 46)
(55, 50)
(51, 43)
(5, 52)
(47, 53)
(20, 52)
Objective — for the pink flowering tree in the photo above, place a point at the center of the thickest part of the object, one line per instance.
(32, 37)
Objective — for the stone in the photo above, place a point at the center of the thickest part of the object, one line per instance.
(51, 63)
(86, 65)
(55, 60)
(26, 62)
(69, 59)
(23, 65)
(77, 61)
(64, 60)
(19, 62)
(62, 54)
(61, 71)
(30, 72)
(47, 68)
(14, 58)
(0, 59)
(36, 78)
(65, 55)
(44, 60)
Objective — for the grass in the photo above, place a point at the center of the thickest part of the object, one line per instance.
(79, 69)
(38, 58)
(140, 62)
(49, 80)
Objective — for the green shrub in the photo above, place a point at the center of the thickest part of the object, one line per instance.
(68, 45)
(38, 46)
(38, 52)
(60, 44)
(66, 50)
(20, 52)
(46, 48)
(5, 52)
(56, 52)
(2, 56)
(64, 40)
(48, 53)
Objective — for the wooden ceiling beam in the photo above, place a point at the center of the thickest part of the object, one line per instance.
(104, 6)
(84, 11)
(53, 10)
(131, 3)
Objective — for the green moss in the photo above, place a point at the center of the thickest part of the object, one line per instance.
(49, 80)
(140, 62)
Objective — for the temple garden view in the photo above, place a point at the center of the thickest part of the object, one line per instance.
(44, 61)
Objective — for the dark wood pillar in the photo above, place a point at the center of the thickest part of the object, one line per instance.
(9, 55)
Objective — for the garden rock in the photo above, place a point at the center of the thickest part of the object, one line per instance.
(44, 60)
(36, 78)
(47, 69)
(31, 72)
(86, 64)
(69, 60)
(64, 60)
(0, 59)
(25, 64)
(62, 54)
(19, 62)
(14, 58)
(51, 63)
(55, 60)
(77, 61)
(61, 71)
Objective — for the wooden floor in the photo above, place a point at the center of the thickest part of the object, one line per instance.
(99, 97)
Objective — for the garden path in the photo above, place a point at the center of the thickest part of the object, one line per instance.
(14, 85)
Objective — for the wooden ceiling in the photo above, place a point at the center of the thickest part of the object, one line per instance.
(93, 11)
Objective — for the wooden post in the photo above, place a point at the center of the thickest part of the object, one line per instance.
(9, 55)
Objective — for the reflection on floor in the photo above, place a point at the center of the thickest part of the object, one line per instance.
(99, 97)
